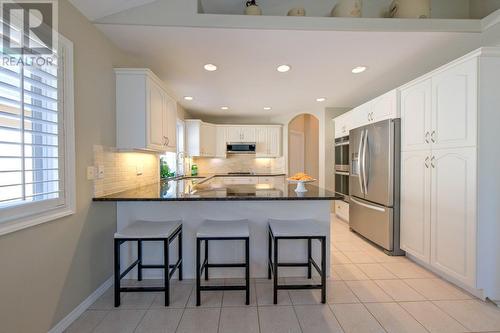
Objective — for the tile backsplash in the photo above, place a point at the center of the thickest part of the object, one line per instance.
(236, 163)
(124, 170)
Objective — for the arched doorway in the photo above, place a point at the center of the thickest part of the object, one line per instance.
(303, 145)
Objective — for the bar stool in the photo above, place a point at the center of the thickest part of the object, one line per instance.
(221, 230)
(146, 231)
(296, 229)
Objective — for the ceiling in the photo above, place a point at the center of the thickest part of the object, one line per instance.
(321, 61)
(95, 9)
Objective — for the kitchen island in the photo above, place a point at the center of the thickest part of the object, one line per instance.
(193, 200)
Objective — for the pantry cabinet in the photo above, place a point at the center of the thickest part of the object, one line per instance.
(449, 123)
(146, 115)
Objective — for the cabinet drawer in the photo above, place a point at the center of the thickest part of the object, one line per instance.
(266, 180)
(241, 180)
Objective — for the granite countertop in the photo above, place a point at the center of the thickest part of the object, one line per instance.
(204, 188)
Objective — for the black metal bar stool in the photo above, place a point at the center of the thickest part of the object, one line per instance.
(211, 230)
(296, 229)
(146, 231)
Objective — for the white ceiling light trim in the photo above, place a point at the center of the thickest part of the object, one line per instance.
(359, 69)
(224, 108)
(283, 68)
(210, 67)
(188, 98)
(267, 108)
(320, 99)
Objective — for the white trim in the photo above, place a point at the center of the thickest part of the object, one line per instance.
(80, 309)
(490, 20)
(69, 206)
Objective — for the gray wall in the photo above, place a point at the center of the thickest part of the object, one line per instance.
(47, 270)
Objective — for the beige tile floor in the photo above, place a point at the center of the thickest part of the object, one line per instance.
(367, 292)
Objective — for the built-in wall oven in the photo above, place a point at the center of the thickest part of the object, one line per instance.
(342, 166)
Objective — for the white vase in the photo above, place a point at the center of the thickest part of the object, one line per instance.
(297, 12)
(253, 10)
(410, 9)
(347, 8)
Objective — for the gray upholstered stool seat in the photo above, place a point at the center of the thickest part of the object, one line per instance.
(147, 229)
(213, 228)
(296, 228)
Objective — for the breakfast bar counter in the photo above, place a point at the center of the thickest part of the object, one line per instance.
(194, 200)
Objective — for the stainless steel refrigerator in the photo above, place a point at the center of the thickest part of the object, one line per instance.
(374, 183)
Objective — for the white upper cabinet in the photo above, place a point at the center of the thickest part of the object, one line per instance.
(454, 106)
(416, 116)
(239, 134)
(146, 116)
(381, 108)
(201, 138)
(453, 213)
(221, 140)
(342, 128)
(209, 140)
(416, 203)
(268, 141)
(384, 107)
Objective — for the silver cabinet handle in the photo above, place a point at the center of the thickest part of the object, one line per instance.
(433, 136)
(432, 162)
(167, 141)
(427, 134)
(427, 162)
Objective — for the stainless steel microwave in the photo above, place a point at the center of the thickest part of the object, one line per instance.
(241, 148)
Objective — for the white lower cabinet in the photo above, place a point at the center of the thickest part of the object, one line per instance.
(342, 210)
(416, 204)
(453, 213)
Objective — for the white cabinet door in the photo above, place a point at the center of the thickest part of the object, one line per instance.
(341, 126)
(358, 117)
(156, 117)
(234, 134)
(416, 114)
(220, 141)
(248, 134)
(454, 106)
(207, 140)
(415, 203)
(384, 107)
(274, 141)
(170, 125)
(262, 142)
(453, 213)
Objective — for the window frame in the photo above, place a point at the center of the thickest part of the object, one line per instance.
(42, 211)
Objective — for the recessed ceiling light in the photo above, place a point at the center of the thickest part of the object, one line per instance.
(321, 99)
(210, 67)
(188, 98)
(359, 69)
(224, 107)
(267, 108)
(283, 68)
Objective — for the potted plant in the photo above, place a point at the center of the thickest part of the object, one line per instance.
(252, 8)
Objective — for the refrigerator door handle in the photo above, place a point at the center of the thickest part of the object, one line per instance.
(360, 150)
(379, 209)
(365, 180)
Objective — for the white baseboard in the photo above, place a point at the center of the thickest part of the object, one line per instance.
(80, 309)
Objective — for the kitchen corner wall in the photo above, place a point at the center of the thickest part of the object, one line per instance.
(124, 170)
(235, 163)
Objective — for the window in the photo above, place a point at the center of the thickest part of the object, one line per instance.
(36, 141)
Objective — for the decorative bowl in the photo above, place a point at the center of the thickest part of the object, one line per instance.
(300, 184)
